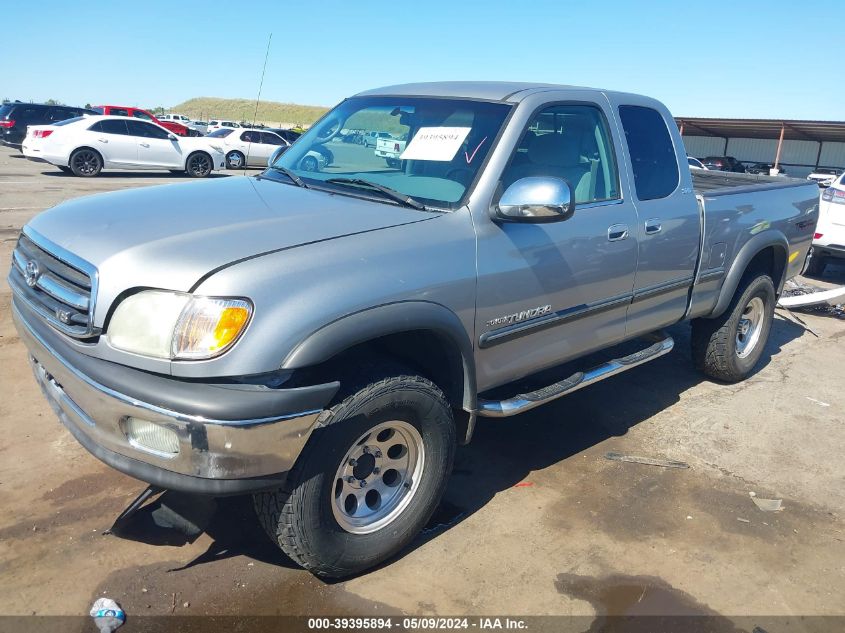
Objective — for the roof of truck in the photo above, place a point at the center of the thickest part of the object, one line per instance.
(490, 90)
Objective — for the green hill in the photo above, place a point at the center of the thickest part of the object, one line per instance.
(270, 113)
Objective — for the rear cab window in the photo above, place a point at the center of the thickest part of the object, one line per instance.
(653, 159)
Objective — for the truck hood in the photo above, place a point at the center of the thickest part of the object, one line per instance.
(171, 236)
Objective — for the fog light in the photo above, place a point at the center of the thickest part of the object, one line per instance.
(151, 437)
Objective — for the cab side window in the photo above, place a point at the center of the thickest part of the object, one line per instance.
(653, 159)
(570, 142)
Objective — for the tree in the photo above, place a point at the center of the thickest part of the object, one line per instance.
(53, 102)
(88, 106)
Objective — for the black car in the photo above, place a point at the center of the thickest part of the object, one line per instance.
(724, 163)
(16, 116)
(765, 168)
(289, 135)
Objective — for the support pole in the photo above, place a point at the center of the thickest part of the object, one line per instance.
(780, 145)
(682, 128)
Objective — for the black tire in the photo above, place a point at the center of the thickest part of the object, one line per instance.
(716, 342)
(309, 163)
(235, 160)
(301, 517)
(816, 265)
(86, 162)
(199, 165)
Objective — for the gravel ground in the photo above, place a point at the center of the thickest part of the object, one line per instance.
(536, 520)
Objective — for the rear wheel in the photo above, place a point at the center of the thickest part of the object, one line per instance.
(86, 163)
(729, 346)
(368, 480)
(235, 160)
(199, 165)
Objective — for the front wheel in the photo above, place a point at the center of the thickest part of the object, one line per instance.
(309, 163)
(728, 347)
(199, 165)
(368, 480)
(235, 160)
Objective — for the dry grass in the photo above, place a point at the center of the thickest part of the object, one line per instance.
(270, 113)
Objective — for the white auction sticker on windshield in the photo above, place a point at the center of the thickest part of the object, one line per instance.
(435, 143)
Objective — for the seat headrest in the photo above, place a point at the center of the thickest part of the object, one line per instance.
(558, 150)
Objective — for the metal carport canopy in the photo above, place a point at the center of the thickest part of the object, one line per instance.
(819, 131)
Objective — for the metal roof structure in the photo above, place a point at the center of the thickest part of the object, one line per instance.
(819, 131)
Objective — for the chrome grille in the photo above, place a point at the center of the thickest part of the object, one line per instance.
(56, 284)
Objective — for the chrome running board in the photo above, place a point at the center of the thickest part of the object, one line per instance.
(526, 401)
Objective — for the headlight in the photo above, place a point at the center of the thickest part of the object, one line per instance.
(176, 325)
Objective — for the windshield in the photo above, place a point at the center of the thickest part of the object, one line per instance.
(429, 149)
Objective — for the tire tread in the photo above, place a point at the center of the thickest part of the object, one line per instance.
(276, 511)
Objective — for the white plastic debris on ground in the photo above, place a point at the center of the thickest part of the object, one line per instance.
(801, 295)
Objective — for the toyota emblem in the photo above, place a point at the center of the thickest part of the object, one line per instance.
(31, 273)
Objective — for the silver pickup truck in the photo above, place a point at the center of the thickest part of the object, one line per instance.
(325, 339)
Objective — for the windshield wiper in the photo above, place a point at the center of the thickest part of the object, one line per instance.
(296, 179)
(401, 198)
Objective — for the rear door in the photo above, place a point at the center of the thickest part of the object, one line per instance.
(268, 144)
(155, 149)
(111, 138)
(668, 231)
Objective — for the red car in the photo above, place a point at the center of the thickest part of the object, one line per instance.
(138, 113)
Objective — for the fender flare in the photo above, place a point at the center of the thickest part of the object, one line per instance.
(392, 318)
(740, 263)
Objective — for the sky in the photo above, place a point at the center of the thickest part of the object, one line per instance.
(758, 59)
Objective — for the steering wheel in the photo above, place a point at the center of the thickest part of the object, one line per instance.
(329, 128)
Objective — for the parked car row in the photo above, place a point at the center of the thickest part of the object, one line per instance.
(86, 145)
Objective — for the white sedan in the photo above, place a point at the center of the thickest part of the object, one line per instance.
(250, 147)
(86, 145)
(246, 147)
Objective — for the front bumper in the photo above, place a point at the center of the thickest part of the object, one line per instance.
(217, 457)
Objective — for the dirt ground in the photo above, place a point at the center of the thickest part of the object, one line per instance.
(536, 520)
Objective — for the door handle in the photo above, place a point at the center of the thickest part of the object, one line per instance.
(617, 232)
(103, 140)
(144, 144)
(653, 226)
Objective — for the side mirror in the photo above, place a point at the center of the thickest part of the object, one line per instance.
(537, 199)
(275, 155)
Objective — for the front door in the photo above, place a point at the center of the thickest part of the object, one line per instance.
(551, 292)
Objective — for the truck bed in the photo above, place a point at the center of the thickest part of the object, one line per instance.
(716, 182)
